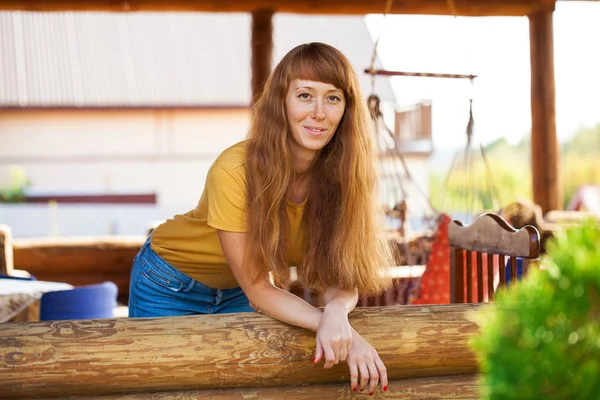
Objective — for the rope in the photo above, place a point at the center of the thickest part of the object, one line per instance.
(419, 74)
(399, 167)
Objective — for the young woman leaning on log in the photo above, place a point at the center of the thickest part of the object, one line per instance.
(300, 191)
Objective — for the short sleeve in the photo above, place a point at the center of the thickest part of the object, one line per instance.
(226, 194)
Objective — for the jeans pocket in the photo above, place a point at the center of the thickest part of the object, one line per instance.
(162, 279)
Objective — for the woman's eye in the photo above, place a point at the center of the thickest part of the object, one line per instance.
(304, 96)
(335, 99)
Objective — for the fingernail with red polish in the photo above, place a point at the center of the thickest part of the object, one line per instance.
(385, 388)
(314, 360)
(354, 389)
(371, 394)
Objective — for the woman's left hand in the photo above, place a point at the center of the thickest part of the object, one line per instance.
(334, 336)
(364, 362)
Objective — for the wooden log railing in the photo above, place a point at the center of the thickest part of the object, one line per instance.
(80, 260)
(218, 355)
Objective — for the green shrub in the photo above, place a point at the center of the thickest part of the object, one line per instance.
(15, 191)
(541, 338)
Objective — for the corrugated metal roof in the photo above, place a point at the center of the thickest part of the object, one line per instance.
(153, 59)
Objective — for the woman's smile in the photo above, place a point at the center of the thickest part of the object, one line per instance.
(315, 131)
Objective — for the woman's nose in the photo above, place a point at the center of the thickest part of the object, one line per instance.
(318, 110)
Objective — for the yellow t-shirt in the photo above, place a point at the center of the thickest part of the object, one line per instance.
(190, 242)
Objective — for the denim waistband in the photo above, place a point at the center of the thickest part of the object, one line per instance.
(147, 254)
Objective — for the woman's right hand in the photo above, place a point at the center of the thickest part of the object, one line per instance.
(364, 360)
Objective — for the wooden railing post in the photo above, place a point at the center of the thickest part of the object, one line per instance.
(262, 49)
(545, 151)
(6, 250)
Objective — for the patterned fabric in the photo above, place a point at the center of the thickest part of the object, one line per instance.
(13, 304)
(434, 286)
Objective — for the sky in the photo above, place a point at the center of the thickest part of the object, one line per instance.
(496, 49)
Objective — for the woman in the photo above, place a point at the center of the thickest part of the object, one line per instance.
(299, 191)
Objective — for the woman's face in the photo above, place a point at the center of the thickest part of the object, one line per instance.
(313, 110)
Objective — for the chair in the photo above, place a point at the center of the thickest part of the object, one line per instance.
(82, 302)
(492, 238)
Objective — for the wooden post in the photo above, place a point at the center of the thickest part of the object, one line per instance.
(6, 250)
(545, 153)
(206, 352)
(262, 49)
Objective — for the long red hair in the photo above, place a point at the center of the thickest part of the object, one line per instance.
(344, 244)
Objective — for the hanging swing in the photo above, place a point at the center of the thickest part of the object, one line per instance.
(431, 246)
(469, 188)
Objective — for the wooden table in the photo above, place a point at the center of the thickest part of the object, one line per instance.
(19, 299)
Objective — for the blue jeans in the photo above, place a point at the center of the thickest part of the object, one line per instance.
(158, 289)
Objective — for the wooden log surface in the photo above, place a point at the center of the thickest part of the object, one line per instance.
(439, 387)
(121, 356)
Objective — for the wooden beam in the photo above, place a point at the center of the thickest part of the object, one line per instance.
(200, 352)
(438, 387)
(545, 151)
(360, 7)
(262, 49)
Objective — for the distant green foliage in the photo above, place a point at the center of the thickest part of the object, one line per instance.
(510, 168)
(585, 141)
(470, 187)
(542, 338)
(578, 169)
(15, 191)
(580, 161)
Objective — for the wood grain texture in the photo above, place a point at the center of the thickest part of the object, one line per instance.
(442, 387)
(121, 356)
(361, 7)
(490, 233)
